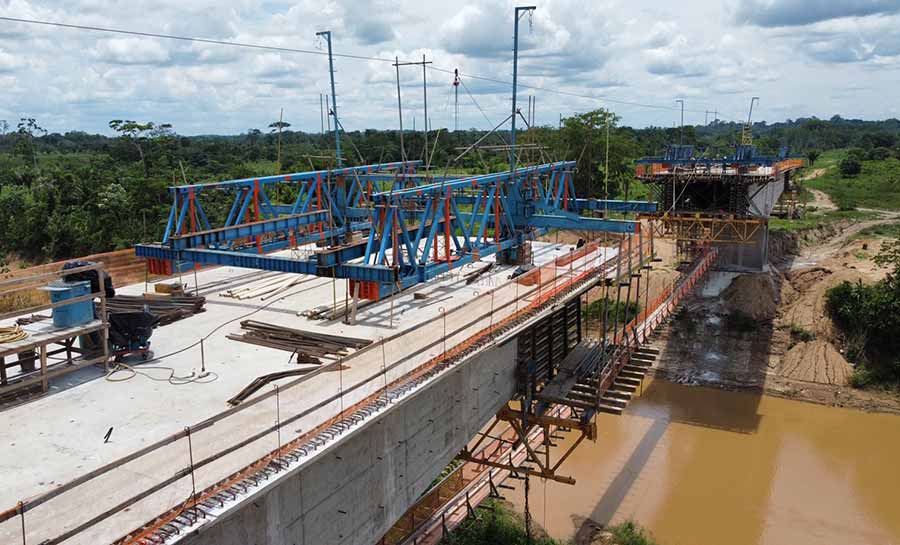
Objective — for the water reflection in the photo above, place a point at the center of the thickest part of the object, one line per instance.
(698, 466)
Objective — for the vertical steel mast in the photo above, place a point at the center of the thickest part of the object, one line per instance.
(337, 133)
(512, 149)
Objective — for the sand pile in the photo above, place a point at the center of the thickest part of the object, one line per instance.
(753, 295)
(816, 361)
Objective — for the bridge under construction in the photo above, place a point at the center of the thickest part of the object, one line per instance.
(353, 355)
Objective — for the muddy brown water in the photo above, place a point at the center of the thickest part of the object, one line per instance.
(699, 466)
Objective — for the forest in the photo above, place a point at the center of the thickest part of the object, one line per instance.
(73, 194)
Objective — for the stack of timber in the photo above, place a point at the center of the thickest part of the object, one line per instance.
(167, 308)
(266, 288)
(307, 346)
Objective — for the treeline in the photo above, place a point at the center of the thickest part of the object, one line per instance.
(71, 194)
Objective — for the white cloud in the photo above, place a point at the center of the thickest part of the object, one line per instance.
(131, 51)
(647, 52)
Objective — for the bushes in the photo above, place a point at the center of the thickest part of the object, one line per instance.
(869, 319)
(850, 167)
(629, 533)
(625, 311)
(496, 525)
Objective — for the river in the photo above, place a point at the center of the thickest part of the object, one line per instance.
(700, 466)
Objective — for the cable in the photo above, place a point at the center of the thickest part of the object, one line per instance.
(568, 93)
(191, 39)
(12, 334)
(340, 55)
(120, 367)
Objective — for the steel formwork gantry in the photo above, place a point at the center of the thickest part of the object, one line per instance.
(417, 228)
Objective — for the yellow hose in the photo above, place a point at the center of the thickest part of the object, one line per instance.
(12, 334)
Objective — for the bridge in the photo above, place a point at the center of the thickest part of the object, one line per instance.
(459, 310)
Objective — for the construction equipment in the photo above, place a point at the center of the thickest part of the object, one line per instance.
(129, 333)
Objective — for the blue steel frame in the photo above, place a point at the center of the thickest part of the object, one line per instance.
(334, 190)
(473, 216)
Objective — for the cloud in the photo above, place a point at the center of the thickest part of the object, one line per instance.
(868, 41)
(131, 51)
(467, 34)
(373, 32)
(8, 62)
(779, 13)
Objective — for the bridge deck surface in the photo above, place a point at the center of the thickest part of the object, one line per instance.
(60, 436)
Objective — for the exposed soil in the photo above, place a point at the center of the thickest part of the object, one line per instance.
(791, 348)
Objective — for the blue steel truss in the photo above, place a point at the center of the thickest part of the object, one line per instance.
(417, 227)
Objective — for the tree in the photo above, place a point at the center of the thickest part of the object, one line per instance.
(26, 129)
(812, 155)
(139, 134)
(850, 167)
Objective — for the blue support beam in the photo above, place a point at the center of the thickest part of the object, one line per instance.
(615, 206)
(299, 177)
(215, 237)
(574, 222)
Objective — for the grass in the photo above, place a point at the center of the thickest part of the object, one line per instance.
(878, 186)
(884, 230)
(816, 219)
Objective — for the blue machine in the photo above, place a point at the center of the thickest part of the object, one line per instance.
(74, 314)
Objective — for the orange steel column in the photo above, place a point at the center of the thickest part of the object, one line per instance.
(565, 192)
(193, 213)
(447, 230)
(434, 248)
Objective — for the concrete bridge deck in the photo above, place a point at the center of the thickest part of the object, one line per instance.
(146, 414)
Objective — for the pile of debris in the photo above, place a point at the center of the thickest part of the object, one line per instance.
(168, 308)
(306, 346)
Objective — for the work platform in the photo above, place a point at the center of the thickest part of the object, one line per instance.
(79, 488)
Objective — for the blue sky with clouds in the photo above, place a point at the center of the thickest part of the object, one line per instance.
(802, 57)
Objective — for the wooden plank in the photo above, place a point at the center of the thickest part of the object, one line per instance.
(44, 276)
(44, 380)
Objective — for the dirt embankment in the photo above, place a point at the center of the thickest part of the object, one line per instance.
(771, 331)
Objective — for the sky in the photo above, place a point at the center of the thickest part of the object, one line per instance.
(636, 57)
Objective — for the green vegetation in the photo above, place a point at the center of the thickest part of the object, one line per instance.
(869, 319)
(883, 230)
(71, 194)
(875, 185)
(817, 219)
(625, 311)
(629, 533)
(494, 525)
(799, 334)
(498, 525)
